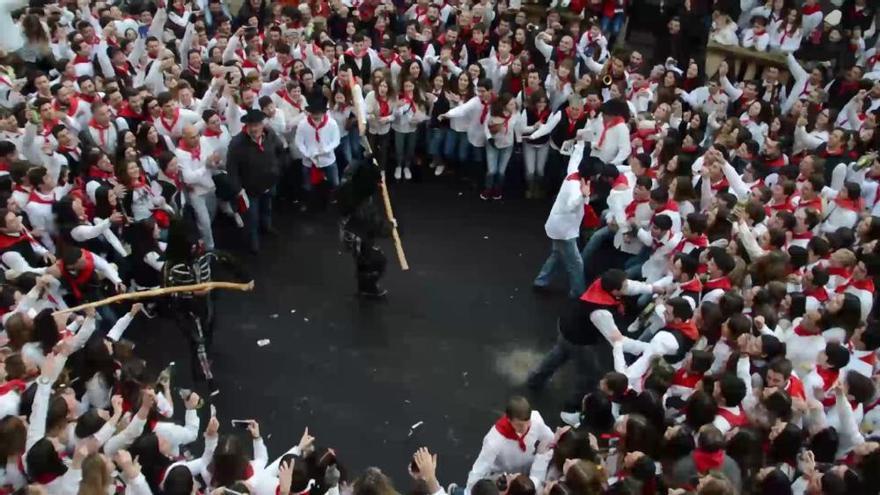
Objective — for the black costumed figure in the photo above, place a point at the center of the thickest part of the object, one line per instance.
(186, 263)
(363, 220)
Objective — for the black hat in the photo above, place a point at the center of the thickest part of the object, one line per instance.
(253, 117)
(317, 105)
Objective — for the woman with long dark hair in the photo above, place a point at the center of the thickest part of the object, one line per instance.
(75, 228)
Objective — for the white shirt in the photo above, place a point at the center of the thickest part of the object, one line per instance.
(317, 141)
(564, 221)
(502, 455)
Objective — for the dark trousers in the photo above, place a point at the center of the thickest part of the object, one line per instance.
(587, 370)
(259, 216)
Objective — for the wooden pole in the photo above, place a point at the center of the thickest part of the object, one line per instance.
(164, 291)
(386, 198)
(389, 212)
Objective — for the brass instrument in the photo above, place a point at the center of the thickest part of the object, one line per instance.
(607, 81)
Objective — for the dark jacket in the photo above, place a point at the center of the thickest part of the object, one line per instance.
(254, 169)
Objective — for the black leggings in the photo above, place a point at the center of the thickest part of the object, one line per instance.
(381, 144)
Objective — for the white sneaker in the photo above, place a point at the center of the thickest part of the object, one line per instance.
(565, 3)
(238, 221)
(407, 173)
(572, 419)
(439, 170)
(397, 172)
(554, 3)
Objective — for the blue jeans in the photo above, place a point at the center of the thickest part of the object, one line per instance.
(496, 164)
(611, 26)
(405, 148)
(331, 173)
(633, 266)
(436, 137)
(259, 215)
(456, 146)
(566, 253)
(350, 144)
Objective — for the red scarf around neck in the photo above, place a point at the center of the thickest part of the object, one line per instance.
(707, 461)
(611, 123)
(504, 427)
(317, 126)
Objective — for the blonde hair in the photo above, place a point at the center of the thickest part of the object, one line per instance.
(95, 476)
(844, 257)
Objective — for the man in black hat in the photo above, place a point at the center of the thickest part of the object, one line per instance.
(316, 139)
(254, 162)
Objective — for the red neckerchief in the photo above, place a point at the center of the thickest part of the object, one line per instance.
(670, 205)
(687, 328)
(543, 116)
(815, 203)
(856, 205)
(170, 126)
(504, 427)
(611, 123)
(126, 111)
(247, 64)
(620, 180)
(819, 294)
(702, 242)
(795, 387)
(409, 100)
(631, 208)
(800, 331)
(210, 133)
(786, 205)
(865, 284)
(357, 56)
(803, 236)
(829, 378)
(718, 283)
(485, 111)
(37, 197)
(777, 162)
(684, 379)
(7, 240)
(97, 173)
(573, 122)
(81, 59)
(195, 152)
(384, 106)
(88, 98)
(840, 272)
(72, 107)
(691, 148)
(692, 285)
(707, 461)
(597, 295)
(48, 125)
(286, 97)
(720, 185)
(394, 58)
(9, 386)
(810, 9)
(81, 278)
(102, 130)
(561, 55)
(317, 126)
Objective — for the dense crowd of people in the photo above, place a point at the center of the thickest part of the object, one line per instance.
(727, 345)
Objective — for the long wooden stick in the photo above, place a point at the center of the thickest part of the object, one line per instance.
(386, 198)
(389, 212)
(164, 291)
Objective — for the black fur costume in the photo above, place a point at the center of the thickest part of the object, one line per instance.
(363, 220)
